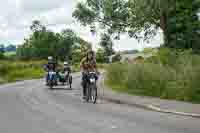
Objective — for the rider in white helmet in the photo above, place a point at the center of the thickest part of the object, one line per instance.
(66, 66)
(50, 58)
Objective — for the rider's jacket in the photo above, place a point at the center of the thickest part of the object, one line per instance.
(50, 66)
(88, 65)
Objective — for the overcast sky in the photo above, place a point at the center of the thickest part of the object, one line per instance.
(16, 17)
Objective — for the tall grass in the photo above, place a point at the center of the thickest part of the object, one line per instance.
(178, 79)
(20, 70)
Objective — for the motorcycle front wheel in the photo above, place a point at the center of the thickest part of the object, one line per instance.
(93, 93)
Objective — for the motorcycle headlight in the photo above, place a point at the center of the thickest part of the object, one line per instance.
(92, 80)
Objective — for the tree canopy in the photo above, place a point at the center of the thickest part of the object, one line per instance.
(107, 44)
(142, 18)
(43, 43)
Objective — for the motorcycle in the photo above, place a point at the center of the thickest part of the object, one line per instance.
(91, 89)
(51, 79)
(65, 77)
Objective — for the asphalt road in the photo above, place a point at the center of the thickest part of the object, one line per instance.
(29, 107)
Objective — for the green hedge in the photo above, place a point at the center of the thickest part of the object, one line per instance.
(176, 78)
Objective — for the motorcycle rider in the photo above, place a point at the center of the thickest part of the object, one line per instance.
(66, 67)
(88, 64)
(51, 65)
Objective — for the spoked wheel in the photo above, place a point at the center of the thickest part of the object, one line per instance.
(93, 94)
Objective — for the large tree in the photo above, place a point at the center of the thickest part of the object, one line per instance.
(43, 43)
(107, 44)
(101, 56)
(140, 18)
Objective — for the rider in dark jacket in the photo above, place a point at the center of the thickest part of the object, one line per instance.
(51, 65)
(67, 67)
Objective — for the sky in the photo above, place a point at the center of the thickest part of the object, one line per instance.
(17, 15)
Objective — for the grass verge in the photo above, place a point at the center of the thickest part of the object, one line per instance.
(178, 78)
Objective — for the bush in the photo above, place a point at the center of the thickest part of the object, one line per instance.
(175, 76)
(2, 56)
(117, 75)
(19, 70)
(116, 58)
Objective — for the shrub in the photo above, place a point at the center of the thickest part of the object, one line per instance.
(173, 75)
(2, 56)
(18, 70)
(116, 58)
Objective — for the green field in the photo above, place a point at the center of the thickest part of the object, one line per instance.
(8, 54)
(20, 70)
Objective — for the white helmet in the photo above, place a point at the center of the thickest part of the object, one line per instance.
(65, 63)
(50, 58)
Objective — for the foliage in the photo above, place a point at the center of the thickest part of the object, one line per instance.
(43, 43)
(2, 48)
(184, 27)
(141, 19)
(101, 56)
(171, 77)
(107, 44)
(2, 56)
(116, 58)
(10, 48)
(13, 71)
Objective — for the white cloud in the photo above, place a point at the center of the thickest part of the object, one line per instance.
(40, 5)
(17, 15)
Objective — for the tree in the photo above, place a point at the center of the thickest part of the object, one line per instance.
(67, 39)
(2, 48)
(141, 18)
(101, 56)
(107, 44)
(10, 48)
(183, 28)
(118, 16)
(76, 56)
(83, 46)
(37, 26)
(110, 14)
(43, 43)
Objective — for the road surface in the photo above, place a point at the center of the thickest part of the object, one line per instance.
(29, 107)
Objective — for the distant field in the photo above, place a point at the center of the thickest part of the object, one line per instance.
(9, 53)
